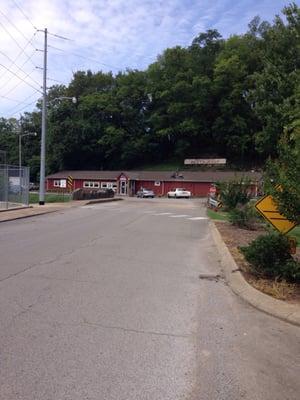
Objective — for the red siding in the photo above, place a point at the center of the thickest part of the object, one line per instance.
(200, 189)
(77, 183)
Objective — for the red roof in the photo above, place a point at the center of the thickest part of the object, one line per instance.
(184, 176)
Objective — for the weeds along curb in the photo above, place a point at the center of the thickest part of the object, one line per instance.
(277, 308)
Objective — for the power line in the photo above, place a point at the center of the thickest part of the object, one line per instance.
(55, 80)
(16, 28)
(17, 76)
(21, 52)
(8, 98)
(17, 84)
(84, 57)
(21, 10)
(21, 109)
(9, 79)
(15, 40)
(60, 37)
(24, 77)
(20, 102)
(19, 68)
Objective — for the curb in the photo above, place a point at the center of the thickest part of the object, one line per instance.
(276, 308)
(43, 212)
(29, 215)
(15, 209)
(97, 201)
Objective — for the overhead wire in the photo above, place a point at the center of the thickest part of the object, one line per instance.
(10, 35)
(8, 98)
(22, 11)
(17, 84)
(19, 68)
(16, 28)
(60, 37)
(20, 53)
(21, 109)
(20, 102)
(84, 57)
(17, 76)
(55, 80)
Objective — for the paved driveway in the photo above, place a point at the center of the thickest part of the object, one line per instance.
(105, 302)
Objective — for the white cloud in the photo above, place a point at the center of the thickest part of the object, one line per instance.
(119, 33)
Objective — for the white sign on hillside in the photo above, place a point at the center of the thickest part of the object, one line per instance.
(205, 161)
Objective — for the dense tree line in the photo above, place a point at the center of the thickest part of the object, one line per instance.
(231, 98)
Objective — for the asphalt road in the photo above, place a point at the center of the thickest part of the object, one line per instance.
(105, 302)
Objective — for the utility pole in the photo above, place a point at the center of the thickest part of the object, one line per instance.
(44, 126)
(20, 152)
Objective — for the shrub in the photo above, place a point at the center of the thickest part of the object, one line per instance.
(234, 192)
(243, 216)
(269, 256)
(291, 271)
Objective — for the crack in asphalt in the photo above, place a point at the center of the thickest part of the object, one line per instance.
(142, 332)
(90, 243)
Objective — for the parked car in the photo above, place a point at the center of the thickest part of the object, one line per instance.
(145, 193)
(33, 186)
(179, 193)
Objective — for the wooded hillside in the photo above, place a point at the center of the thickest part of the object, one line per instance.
(218, 97)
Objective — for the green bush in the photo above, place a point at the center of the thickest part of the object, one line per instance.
(291, 270)
(269, 256)
(243, 216)
(234, 192)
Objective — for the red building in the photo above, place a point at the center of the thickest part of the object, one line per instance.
(127, 183)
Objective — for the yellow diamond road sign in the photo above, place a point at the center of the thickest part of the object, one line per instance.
(268, 209)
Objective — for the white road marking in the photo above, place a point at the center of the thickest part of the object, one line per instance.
(87, 207)
(178, 216)
(163, 213)
(197, 218)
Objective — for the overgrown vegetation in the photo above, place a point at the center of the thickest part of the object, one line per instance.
(243, 216)
(234, 193)
(269, 256)
(230, 98)
(283, 174)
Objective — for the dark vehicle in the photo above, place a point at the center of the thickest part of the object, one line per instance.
(33, 186)
(143, 193)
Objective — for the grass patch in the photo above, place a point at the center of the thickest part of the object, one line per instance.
(49, 198)
(296, 233)
(217, 215)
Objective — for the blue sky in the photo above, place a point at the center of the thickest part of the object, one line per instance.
(110, 34)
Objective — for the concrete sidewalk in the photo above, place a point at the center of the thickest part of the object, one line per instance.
(35, 209)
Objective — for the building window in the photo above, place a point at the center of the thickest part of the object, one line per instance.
(91, 184)
(56, 183)
(109, 185)
(157, 183)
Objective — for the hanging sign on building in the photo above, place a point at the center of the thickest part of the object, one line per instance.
(205, 161)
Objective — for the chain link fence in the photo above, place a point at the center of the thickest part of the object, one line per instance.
(14, 186)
